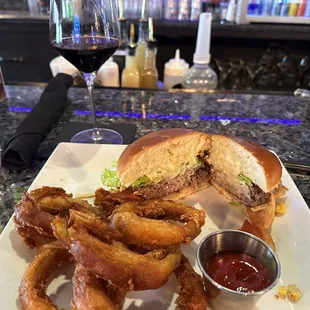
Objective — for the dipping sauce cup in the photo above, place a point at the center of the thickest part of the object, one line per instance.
(220, 297)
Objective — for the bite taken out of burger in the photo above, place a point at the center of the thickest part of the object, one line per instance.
(247, 174)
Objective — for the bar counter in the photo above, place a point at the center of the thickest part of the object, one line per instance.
(280, 123)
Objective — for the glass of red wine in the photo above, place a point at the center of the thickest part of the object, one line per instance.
(86, 33)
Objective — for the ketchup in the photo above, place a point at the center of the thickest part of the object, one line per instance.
(238, 271)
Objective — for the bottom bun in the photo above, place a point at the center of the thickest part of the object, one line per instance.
(186, 191)
(262, 217)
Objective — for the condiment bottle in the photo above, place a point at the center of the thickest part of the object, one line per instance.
(200, 75)
(174, 71)
(149, 74)
(108, 74)
(143, 37)
(130, 74)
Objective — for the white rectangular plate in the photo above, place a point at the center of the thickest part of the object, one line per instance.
(77, 169)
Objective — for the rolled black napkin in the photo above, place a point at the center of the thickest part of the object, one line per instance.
(20, 149)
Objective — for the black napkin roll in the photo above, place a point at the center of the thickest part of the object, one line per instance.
(20, 149)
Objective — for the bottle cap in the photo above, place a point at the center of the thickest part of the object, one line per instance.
(131, 48)
(176, 66)
(202, 53)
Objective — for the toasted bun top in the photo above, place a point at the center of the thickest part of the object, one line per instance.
(237, 155)
(166, 148)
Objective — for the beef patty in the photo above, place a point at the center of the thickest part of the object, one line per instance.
(249, 195)
(164, 188)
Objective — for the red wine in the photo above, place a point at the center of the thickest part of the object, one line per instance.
(87, 53)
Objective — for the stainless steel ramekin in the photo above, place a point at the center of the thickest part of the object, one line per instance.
(220, 297)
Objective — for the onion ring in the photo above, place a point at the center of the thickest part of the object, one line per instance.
(114, 261)
(28, 214)
(32, 237)
(34, 282)
(37, 210)
(107, 201)
(55, 200)
(92, 293)
(139, 224)
(192, 295)
(94, 225)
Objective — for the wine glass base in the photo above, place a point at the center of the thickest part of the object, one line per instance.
(98, 136)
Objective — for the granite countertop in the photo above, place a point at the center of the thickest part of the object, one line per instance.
(280, 123)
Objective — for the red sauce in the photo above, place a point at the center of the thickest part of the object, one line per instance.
(238, 271)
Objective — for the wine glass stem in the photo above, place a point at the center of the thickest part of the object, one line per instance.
(89, 79)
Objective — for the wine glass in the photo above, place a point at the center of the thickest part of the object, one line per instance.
(86, 33)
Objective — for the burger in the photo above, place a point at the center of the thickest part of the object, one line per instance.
(247, 174)
(166, 164)
(174, 163)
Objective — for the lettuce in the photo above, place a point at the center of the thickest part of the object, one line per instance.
(142, 181)
(243, 178)
(109, 178)
(235, 203)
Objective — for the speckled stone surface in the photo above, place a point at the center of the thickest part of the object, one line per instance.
(280, 123)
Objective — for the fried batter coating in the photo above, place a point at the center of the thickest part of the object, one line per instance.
(114, 261)
(191, 292)
(92, 293)
(32, 290)
(107, 201)
(259, 232)
(37, 210)
(146, 222)
(28, 214)
(32, 237)
(95, 225)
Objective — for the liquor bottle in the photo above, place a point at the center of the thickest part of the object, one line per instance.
(307, 10)
(184, 9)
(253, 7)
(143, 37)
(276, 8)
(195, 9)
(130, 74)
(265, 7)
(123, 26)
(149, 74)
(284, 8)
(231, 11)
(171, 9)
(200, 75)
(302, 8)
(293, 8)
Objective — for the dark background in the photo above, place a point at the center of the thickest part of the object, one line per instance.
(273, 52)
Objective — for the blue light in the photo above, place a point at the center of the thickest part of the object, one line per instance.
(251, 120)
(20, 109)
(178, 117)
(135, 115)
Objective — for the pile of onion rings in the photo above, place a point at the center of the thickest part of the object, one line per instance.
(122, 244)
